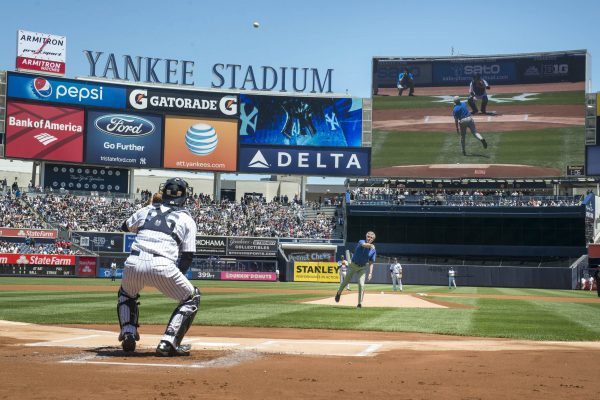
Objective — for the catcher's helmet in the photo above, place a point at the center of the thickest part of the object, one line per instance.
(456, 100)
(174, 192)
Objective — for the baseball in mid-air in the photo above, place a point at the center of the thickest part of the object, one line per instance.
(255, 24)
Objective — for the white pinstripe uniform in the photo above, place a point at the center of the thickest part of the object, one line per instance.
(155, 265)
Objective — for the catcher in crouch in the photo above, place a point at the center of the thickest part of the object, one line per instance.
(160, 256)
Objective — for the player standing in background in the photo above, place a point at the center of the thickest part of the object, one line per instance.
(363, 254)
(406, 80)
(477, 91)
(396, 273)
(451, 278)
(160, 255)
(113, 271)
(464, 120)
(597, 276)
(343, 268)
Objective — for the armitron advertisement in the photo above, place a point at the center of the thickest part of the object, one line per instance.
(44, 132)
(41, 52)
(200, 144)
(305, 271)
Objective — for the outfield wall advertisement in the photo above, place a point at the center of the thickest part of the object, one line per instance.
(568, 66)
(44, 132)
(517, 116)
(306, 271)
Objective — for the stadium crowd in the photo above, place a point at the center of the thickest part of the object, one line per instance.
(30, 247)
(460, 198)
(249, 217)
(16, 214)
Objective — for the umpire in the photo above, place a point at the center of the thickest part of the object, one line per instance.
(160, 256)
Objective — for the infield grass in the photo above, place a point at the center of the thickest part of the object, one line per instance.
(551, 147)
(540, 315)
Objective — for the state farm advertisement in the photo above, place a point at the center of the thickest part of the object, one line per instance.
(248, 276)
(36, 259)
(41, 52)
(33, 233)
(87, 267)
(43, 132)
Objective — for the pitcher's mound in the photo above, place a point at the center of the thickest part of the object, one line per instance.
(379, 300)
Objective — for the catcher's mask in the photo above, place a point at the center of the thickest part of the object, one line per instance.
(174, 192)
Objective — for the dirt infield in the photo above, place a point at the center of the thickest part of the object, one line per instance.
(507, 118)
(464, 89)
(84, 362)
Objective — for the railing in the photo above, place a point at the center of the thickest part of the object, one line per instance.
(465, 201)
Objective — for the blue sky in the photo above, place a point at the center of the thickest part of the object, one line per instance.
(342, 35)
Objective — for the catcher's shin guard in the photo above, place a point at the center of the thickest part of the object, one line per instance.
(472, 104)
(182, 318)
(484, 102)
(128, 313)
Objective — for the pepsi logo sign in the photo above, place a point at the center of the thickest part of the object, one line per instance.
(124, 125)
(42, 87)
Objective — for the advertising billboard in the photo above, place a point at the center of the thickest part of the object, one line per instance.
(301, 121)
(57, 90)
(309, 271)
(517, 115)
(99, 241)
(123, 139)
(41, 52)
(200, 104)
(200, 144)
(305, 161)
(42, 132)
(78, 177)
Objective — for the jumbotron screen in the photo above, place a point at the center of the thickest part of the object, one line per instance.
(495, 116)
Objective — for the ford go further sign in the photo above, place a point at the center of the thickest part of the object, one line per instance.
(127, 139)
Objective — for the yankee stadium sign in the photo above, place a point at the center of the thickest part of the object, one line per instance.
(225, 76)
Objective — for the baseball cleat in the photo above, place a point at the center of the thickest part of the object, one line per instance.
(337, 297)
(359, 305)
(128, 342)
(484, 143)
(166, 349)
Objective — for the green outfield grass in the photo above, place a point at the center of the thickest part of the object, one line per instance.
(532, 318)
(551, 147)
(576, 97)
